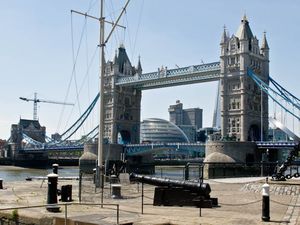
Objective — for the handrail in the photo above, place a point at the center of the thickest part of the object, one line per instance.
(66, 205)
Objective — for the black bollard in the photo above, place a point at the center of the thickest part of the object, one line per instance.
(55, 168)
(52, 193)
(265, 202)
(1, 183)
(187, 171)
(94, 175)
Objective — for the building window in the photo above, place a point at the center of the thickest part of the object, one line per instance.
(127, 101)
(232, 59)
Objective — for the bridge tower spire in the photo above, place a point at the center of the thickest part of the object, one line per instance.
(244, 109)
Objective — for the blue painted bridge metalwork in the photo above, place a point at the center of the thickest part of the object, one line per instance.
(276, 144)
(195, 148)
(182, 149)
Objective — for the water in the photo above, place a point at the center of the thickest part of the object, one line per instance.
(12, 173)
(176, 172)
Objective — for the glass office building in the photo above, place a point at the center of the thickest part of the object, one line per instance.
(156, 130)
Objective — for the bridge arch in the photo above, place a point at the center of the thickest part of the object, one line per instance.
(124, 137)
(254, 133)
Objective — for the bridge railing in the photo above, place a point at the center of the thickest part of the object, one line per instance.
(224, 170)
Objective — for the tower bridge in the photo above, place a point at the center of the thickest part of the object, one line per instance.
(244, 109)
(243, 103)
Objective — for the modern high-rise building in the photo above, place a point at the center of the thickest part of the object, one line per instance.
(154, 130)
(180, 116)
(188, 120)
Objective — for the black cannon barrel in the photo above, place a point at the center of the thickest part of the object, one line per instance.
(200, 188)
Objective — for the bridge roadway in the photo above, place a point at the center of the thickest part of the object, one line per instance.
(173, 148)
(277, 144)
(172, 77)
(137, 149)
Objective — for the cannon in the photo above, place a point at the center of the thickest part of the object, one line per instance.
(178, 192)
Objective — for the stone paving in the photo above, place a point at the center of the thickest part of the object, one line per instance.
(239, 203)
(275, 189)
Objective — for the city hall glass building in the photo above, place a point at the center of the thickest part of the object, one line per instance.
(156, 130)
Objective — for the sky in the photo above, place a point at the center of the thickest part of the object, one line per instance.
(46, 49)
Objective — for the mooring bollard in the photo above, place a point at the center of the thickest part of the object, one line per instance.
(266, 201)
(1, 183)
(116, 191)
(55, 168)
(187, 171)
(94, 175)
(52, 193)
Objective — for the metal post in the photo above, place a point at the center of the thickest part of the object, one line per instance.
(55, 168)
(52, 193)
(102, 189)
(200, 211)
(80, 185)
(101, 80)
(266, 201)
(118, 219)
(261, 115)
(66, 213)
(201, 166)
(142, 197)
(94, 175)
(110, 186)
(102, 44)
(187, 171)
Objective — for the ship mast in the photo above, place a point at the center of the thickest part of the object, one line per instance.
(102, 44)
(103, 41)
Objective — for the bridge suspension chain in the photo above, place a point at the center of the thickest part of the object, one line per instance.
(69, 132)
(272, 93)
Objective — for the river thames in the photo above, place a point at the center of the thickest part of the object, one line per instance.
(12, 173)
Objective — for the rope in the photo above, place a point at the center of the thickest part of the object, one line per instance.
(73, 74)
(87, 62)
(280, 203)
(148, 197)
(74, 63)
(129, 37)
(91, 5)
(112, 17)
(242, 204)
(87, 72)
(138, 28)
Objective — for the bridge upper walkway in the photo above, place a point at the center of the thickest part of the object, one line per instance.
(173, 77)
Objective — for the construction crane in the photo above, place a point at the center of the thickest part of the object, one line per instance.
(36, 100)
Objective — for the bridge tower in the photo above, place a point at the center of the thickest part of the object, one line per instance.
(244, 108)
(121, 104)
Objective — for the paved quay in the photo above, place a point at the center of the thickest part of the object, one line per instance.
(239, 203)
